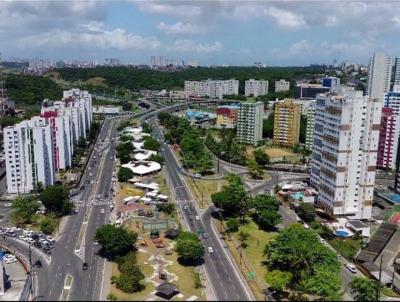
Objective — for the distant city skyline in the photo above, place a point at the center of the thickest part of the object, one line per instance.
(277, 33)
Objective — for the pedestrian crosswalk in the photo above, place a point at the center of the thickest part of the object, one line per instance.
(94, 203)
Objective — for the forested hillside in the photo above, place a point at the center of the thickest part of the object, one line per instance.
(135, 78)
(31, 90)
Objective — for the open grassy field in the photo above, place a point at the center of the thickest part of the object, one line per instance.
(96, 81)
(276, 154)
(252, 256)
(203, 189)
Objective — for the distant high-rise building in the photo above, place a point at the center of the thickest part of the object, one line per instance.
(388, 139)
(250, 122)
(281, 86)
(310, 126)
(309, 91)
(211, 88)
(343, 164)
(379, 75)
(331, 82)
(397, 71)
(287, 123)
(256, 87)
(113, 62)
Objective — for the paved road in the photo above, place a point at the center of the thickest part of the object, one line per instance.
(86, 284)
(225, 281)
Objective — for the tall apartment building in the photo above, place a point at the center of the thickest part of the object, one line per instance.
(282, 85)
(397, 173)
(250, 122)
(255, 87)
(346, 136)
(211, 88)
(388, 139)
(310, 126)
(379, 75)
(29, 156)
(397, 71)
(392, 100)
(35, 149)
(287, 123)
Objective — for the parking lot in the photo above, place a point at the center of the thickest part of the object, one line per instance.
(37, 240)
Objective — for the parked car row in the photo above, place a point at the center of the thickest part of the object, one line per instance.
(37, 239)
(9, 258)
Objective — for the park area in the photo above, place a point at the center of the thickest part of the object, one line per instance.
(203, 189)
(251, 258)
(277, 154)
(159, 261)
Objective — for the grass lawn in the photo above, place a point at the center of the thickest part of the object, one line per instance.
(129, 190)
(348, 248)
(96, 81)
(253, 255)
(277, 153)
(203, 189)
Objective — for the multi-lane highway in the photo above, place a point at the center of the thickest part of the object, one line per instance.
(78, 231)
(226, 283)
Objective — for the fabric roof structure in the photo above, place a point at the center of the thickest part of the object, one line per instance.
(143, 167)
(143, 154)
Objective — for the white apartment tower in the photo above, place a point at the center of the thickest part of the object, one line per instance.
(282, 85)
(29, 156)
(211, 88)
(344, 153)
(250, 122)
(310, 126)
(256, 87)
(397, 72)
(379, 75)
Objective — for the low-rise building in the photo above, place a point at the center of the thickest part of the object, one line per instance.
(227, 116)
(309, 91)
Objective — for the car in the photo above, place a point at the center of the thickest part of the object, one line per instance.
(92, 181)
(95, 242)
(204, 235)
(29, 240)
(298, 219)
(50, 245)
(27, 232)
(88, 182)
(11, 234)
(43, 241)
(84, 266)
(197, 217)
(38, 264)
(141, 212)
(210, 250)
(37, 244)
(22, 237)
(47, 251)
(351, 268)
(322, 241)
(102, 211)
(105, 195)
(82, 188)
(49, 239)
(306, 226)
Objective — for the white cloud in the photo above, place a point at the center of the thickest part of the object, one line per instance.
(91, 36)
(181, 28)
(285, 19)
(170, 8)
(190, 46)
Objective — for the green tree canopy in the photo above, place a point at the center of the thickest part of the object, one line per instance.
(48, 224)
(314, 266)
(56, 199)
(278, 280)
(24, 208)
(261, 157)
(125, 152)
(115, 241)
(189, 248)
(364, 289)
(306, 212)
(124, 174)
(232, 224)
(150, 143)
(255, 170)
(268, 218)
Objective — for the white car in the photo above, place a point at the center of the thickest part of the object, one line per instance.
(197, 217)
(50, 239)
(95, 242)
(30, 240)
(8, 258)
(22, 237)
(210, 250)
(351, 268)
(43, 241)
(306, 226)
(27, 232)
(102, 211)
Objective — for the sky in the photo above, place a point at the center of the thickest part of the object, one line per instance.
(277, 33)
